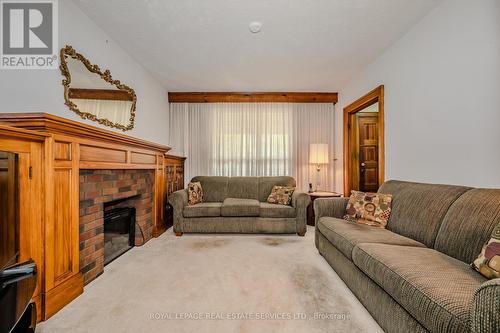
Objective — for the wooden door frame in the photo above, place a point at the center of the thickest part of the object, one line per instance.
(374, 96)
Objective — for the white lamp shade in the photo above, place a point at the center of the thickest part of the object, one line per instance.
(318, 153)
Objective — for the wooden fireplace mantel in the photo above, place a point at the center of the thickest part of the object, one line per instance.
(66, 148)
(90, 147)
(46, 122)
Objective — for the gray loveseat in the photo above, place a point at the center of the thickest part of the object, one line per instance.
(415, 276)
(239, 205)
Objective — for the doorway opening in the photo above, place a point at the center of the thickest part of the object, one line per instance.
(364, 143)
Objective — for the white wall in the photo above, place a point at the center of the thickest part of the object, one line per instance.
(442, 97)
(42, 91)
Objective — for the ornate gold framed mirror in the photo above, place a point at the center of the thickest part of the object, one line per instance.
(94, 94)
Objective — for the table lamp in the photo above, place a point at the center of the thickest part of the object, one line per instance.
(318, 155)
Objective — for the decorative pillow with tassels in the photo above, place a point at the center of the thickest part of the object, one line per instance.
(369, 208)
(488, 262)
(195, 193)
(281, 195)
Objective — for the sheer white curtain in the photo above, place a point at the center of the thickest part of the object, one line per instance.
(315, 123)
(115, 111)
(253, 139)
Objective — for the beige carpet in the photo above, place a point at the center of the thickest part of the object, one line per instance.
(217, 283)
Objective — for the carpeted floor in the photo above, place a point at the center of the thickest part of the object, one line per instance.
(216, 283)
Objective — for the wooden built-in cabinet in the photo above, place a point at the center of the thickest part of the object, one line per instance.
(56, 149)
(170, 178)
(29, 147)
(174, 173)
(174, 181)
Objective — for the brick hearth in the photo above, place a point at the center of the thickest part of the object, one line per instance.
(132, 188)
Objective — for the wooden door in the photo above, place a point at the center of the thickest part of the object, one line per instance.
(360, 149)
(368, 151)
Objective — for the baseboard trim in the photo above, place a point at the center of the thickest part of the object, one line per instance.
(62, 295)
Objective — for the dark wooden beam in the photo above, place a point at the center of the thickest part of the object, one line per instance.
(254, 97)
(102, 94)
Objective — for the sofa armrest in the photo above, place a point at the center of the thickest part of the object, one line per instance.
(178, 200)
(300, 201)
(485, 311)
(334, 207)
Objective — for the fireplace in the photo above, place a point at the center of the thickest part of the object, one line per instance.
(101, 192)
(119, 232)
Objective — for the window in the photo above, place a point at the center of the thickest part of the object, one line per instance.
(252, 139)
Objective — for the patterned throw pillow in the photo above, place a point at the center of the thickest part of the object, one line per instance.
(369, 208)
(195, 193)
(281, 195)
(488, 262)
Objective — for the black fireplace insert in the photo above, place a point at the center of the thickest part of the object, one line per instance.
(119, 232)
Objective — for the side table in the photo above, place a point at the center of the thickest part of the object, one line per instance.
(314, 196)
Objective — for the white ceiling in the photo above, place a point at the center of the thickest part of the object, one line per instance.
(304, 45)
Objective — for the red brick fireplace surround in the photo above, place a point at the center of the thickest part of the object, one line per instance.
(130, 188)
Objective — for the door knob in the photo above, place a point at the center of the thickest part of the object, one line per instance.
(362, 164)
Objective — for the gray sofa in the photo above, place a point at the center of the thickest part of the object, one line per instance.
(239, 205)
(415, 276)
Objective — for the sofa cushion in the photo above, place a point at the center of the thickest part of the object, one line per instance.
(488, 262)
(214, 187)
(369, 208)
(243, 188)
(195, 193)
(272, 210)
(345, 235)
(434, 288)
(418, 209)
(240, 207)
(266, 185)
(240, 224)
(281, 195)
(468, 224)
(204, 209)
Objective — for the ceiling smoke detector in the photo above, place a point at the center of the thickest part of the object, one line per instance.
(255, 27)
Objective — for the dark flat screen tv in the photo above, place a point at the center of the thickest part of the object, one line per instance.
(9, 209)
